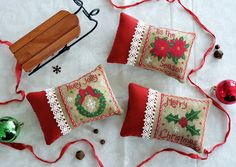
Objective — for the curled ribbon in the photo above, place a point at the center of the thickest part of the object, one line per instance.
(84, 92)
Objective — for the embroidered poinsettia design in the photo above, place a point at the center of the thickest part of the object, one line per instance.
(172, 49)
(184, 121)
(179, 48)
(160, 48)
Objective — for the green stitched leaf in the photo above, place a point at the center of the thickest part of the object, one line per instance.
(171, 44)
(193, 115)
(159, 58)
(152, 45)
(193, 130)
(168, 55)
(166, 38)
(172, 118)
(175, 60)
(181, 38)
(187, 46)
(183, 57)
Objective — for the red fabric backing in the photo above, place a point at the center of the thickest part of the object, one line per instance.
(136, 109)
(39, 102)
(121, 46)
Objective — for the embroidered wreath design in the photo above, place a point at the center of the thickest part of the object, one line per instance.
(94, 93)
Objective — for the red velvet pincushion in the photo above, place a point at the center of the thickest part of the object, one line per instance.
(124, 36)
(136, 108)
(152, 114)
(60, 110)
(153, 48)
(39, 103)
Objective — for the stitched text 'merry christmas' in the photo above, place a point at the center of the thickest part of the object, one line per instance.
(175, 103)
(166, 135)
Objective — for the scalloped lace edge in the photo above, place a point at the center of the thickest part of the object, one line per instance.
(136, 43)
(149, 113)
(57, 111)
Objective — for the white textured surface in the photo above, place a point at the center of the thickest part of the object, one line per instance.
(18, 17)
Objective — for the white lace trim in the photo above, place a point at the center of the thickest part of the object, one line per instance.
(57, 111)
(150, 113)
(136, 43)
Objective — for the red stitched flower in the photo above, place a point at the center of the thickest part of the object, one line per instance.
(179, 48)
(183, 122)
(161, 48)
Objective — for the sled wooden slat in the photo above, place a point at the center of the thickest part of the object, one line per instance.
(46, 39)
(51, 49)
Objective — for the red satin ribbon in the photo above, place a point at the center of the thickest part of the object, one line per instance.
(21, 146)
(190, 155)
(128, 6)
(88, 90)
(206, 152)
(18, 72)
(134, 4)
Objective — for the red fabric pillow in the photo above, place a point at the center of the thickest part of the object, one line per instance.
(152, 114)
(61, 109)
(153, 48)
(124, 36)
(136, 108)
(39, 103)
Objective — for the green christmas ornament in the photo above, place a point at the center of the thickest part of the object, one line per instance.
(9, 129)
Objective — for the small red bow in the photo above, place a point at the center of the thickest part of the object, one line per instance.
(84, 92)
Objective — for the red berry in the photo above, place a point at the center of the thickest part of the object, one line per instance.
(183, 122)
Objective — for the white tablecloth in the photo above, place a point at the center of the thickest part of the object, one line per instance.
(19, 17)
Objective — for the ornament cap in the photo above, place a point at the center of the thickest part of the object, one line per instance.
(21, 124)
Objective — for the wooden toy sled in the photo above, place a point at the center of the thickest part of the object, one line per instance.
(52, 36)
